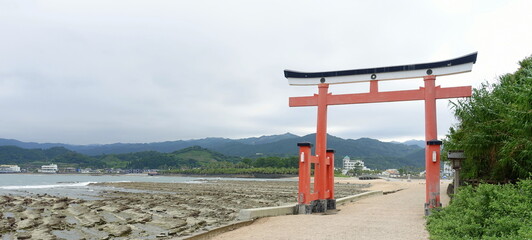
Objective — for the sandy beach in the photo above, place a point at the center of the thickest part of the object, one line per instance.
(146, 210)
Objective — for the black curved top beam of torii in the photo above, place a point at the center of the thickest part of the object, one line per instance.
(441, 68)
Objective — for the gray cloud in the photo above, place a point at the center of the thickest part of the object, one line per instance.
(140, 71)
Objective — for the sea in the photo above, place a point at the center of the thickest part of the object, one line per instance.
(79, 185)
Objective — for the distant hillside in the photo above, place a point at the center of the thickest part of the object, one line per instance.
(419, 143)
(376, 154)
(185, 158)
(34, 158)
(267, 139)
(30, 145)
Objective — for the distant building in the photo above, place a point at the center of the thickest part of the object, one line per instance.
(87, 170)
(70, 170)
(134, 171)
(446, 170)
(391, 173)
(352, 164)
(9, 169)
(52, 168)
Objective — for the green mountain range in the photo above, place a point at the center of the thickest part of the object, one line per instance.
(375, 154)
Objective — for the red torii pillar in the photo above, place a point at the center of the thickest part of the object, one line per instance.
(323, 195)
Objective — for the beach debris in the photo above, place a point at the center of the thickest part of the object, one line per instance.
(23, 235)
(140, 218)
(78, 210)
(27, 201)
(5, 225)
(62, 199)
(32, 213)
(54, 223)
(43, 233)
(175, 231)
(26, 223)
(17, 208)
(162, 235)
(113, 208)
(94, 204)
(5, 199)
(60, 205)
(116, 230)
(170, 223)
(158, 209)
(91, 219)
(194, 213)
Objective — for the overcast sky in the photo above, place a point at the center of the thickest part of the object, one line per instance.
(86, 72)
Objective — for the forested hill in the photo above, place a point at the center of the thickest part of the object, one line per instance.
(185, 158)
(165, 147)
(376, 154)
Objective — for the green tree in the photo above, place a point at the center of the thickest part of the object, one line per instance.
(495, 128)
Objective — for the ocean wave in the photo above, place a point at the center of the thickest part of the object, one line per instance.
(59, 185)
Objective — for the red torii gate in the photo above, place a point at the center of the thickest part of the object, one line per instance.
(321, 197)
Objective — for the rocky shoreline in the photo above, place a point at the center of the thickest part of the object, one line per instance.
(160, 210)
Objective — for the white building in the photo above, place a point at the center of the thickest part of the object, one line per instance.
(52, 168)
(352, 164)
(348, 164)
(9, 169)
(446, 170)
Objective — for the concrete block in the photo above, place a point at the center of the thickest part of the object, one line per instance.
(318, 206)
(331, 204)
(217, 231)
(303, 209)
(314, 207)
(253, 213)
(358, 197)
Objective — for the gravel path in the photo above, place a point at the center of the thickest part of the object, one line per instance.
(393, 216)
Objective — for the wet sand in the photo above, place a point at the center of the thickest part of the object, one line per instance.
(159, 210)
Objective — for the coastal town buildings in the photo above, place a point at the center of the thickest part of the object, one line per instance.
(9, 169)
(52, 168)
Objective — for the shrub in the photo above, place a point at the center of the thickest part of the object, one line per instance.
(486, 212)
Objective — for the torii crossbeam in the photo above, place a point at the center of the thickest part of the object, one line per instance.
(322, 197)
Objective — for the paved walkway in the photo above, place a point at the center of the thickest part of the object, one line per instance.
(393, 216)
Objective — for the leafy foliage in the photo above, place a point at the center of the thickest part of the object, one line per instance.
(495, 128)
(486, 212)
(265, 165)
